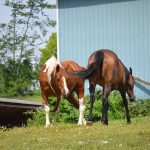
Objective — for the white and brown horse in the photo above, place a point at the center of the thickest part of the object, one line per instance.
(54, 81)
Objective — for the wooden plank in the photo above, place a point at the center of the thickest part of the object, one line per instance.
(8, 100)
(12, 110)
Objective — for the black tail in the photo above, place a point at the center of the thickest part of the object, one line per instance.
(90, 71)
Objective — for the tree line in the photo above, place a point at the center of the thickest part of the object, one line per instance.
(20, 40)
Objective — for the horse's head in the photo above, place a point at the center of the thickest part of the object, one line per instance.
(60, 74)
(130, 86)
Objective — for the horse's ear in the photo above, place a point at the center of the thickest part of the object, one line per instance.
(130, 70)
(57, 68)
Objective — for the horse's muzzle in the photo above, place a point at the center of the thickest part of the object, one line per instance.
(65, 94)
(132, 98)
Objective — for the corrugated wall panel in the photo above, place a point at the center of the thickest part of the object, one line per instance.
(120, 25)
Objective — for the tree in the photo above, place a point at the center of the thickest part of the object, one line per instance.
(20, 38)
(50, 49)
(20, 84)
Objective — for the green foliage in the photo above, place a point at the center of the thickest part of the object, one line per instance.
(25, 30)
(140, 108)
(35, 118)
(116, 109)
(97, 107)
(50, 49)
(17, 83)
(19, 40)
(2, 81)
(67, 113)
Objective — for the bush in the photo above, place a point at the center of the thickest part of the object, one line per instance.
(141, 108)
(68, 113)
(116, 109)
(36, 118)
(16, 78)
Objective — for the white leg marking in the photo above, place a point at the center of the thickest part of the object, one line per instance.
(47, 109)
(65, 85)
(81, 120)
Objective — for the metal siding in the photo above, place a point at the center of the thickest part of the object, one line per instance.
(120, 25)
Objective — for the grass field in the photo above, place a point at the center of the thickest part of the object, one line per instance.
(117, 135)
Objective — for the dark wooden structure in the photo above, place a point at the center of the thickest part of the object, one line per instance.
(12, 111)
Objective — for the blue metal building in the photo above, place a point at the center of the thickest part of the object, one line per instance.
(120, 25)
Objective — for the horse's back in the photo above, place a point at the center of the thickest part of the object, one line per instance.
(107, 54)
(71, 65)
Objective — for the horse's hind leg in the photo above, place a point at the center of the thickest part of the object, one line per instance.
(73, 101)
(105, 103)
(79, 105)
(81, 120)
(125, 102)
(92, 99)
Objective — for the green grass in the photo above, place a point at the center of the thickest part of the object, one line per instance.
(37, 98)
(117, 135)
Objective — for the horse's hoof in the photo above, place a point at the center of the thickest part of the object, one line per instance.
(129, 122)
(47, 125)
(53, 122)
(89, 123)
(84, 122)
(104, 123)
(79, 124)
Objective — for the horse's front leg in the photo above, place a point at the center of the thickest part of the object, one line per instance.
(47, 110)
(105, 103)
(125, 102)
(92, 99)
(46, 107)
(56, 109)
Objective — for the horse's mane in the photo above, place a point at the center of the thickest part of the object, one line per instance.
(50, 66)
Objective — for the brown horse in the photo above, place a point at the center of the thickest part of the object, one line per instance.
(106, 69)
(54, 81)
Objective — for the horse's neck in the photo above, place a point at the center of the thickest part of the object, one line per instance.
(53, 78)
(53, 84)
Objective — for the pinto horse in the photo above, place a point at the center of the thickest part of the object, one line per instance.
(106, 69)
(54, 81)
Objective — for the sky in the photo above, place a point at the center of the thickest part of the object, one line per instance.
(5, 17)
(5, 14)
